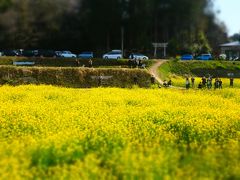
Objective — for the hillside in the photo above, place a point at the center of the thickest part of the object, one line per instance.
(199, 68)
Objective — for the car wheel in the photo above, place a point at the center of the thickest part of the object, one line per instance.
(105, 57)
(144, 58)
(118, 57)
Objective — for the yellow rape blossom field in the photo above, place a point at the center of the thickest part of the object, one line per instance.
(50, 132)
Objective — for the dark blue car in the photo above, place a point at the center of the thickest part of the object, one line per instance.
(187, 57)
(86, 55)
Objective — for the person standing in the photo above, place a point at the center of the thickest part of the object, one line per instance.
(209, 83)
(100, 78)
(165, 83)
(169, 83)
(152, 79)
(204, 81)
(90, 63)
(216, 83)
(77, 62)
(140, 63)
(200, 85)
(231, 82)
(220, 83)
(131, 56)
(187, 83)
(192, 80)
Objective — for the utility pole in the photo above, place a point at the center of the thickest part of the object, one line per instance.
(122, 40)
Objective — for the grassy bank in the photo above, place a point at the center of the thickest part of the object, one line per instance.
(199, 68)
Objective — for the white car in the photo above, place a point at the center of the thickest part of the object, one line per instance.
(68, 54)
(138, 56)
(114, 54)
(222, 56)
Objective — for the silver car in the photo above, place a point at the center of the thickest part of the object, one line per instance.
(138, 56)
(68, 54)
(114, 54)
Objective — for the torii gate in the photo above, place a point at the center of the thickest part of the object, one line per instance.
(160, 45)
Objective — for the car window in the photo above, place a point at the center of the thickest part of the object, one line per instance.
(114, 52)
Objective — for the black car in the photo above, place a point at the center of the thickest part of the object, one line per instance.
(10, 53)
(29, 53)
(47, 53)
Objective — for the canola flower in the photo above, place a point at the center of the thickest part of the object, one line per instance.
(51, 132)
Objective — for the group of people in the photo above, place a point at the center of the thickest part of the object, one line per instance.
(136, 63)
(207, 82)
(167, 83)
(90, 63)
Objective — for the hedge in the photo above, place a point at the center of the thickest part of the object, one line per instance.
(74, 76)
(67, 62)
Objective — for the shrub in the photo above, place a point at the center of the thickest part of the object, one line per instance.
(67, 62)
(74, 77)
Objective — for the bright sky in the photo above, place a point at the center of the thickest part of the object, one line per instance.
(229, 14)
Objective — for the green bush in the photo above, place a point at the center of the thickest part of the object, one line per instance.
(68, 62)
(74, 77)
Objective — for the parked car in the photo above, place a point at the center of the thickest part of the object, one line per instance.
(68, 54)
(187, 57)
(59, 53)
(222, 57)
(47, 53)
(10, 53)
(86, 55)
(138, 56)
(205, 57)
(29, 53)
(114, 54)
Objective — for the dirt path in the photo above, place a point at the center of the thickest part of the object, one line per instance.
(154, 70)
